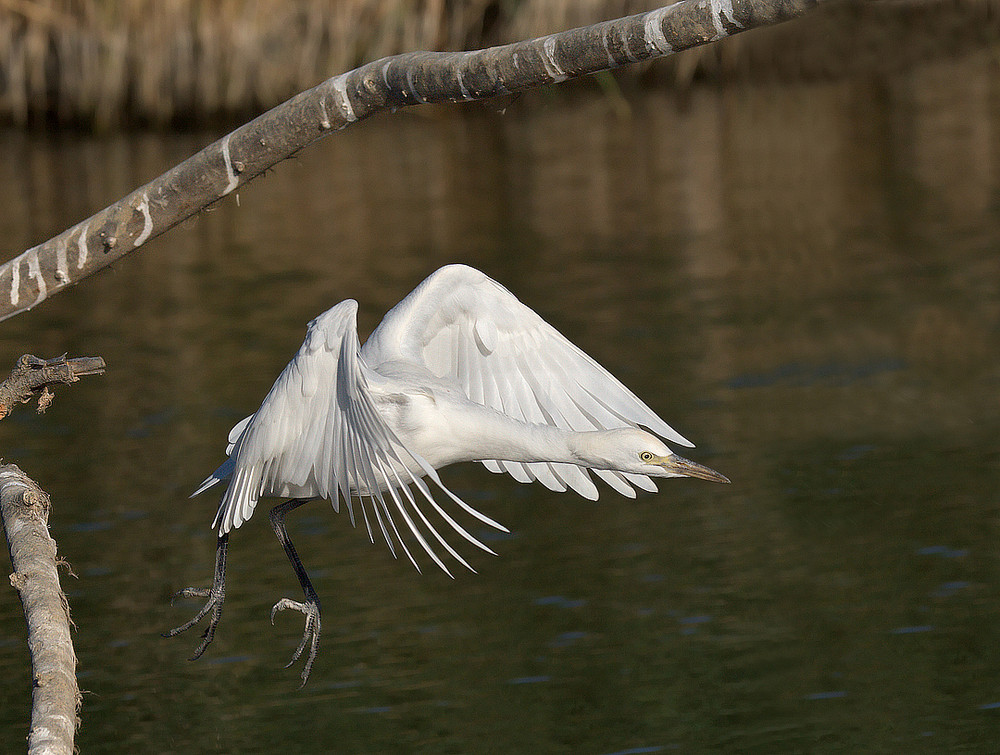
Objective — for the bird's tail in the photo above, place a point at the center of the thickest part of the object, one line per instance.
(224, 472)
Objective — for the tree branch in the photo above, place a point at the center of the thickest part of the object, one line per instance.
(33, 376)
(387, 84)
(24, 508)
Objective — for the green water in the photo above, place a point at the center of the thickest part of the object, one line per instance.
(803, 279)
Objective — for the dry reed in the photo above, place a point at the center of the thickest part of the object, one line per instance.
(102, 63)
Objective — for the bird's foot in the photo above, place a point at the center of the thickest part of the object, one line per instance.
(310, 635)
(216, 596)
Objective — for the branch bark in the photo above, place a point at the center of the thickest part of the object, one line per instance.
(24, 508)
(24, 511)
(387, 84)
(33, 377)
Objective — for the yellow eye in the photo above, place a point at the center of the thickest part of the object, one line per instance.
(646, 456)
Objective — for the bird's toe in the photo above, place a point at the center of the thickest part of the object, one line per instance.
(310, 633)
(288, 604)
(213, 606)
(191, 592)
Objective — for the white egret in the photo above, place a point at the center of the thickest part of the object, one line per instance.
(459, 370)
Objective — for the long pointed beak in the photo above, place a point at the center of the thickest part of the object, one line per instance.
(687, 468)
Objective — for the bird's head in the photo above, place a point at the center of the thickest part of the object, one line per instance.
(640, 452)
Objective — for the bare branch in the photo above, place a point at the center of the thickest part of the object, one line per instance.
(33, 376)
(387, 84)
(24, 508)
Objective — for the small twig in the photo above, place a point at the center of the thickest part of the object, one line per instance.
(33, 376)
(24, 508)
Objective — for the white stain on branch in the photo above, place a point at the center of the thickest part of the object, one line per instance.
(623, 38)
(552, 68)
(656, 40)
(81, 247)
(35, 271)
(339, 86)
(612, 63)
(30, 258)
(461, 83)
(147, 220)
(15, 280)
(722, 10)
(413, 87)
(230, 173)
(62, 266)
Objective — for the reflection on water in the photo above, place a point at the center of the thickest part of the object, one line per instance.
(802, 279)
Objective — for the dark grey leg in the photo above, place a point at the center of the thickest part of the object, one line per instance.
(310, 607)
(216, 595)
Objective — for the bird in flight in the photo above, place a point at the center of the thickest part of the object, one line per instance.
(459, 370)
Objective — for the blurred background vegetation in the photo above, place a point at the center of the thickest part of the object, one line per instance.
(102, 64)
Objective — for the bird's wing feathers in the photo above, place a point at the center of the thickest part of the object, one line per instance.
(235, 433)
(465, 326)
(225, 471)
(318, 434)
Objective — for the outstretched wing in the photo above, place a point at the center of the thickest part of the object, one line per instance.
(464, 326)
(318, 434)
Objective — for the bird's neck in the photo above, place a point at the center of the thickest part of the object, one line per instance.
(502, 438)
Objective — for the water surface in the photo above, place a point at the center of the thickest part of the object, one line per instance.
(802, 278)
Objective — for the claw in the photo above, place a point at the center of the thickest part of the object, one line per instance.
(310, 635)
(213, 605)
(216, 595)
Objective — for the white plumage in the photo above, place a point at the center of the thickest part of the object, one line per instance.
(459, 370)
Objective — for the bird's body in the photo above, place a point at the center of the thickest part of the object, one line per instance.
(459, 370)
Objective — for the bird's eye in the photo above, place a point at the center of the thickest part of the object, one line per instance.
(646, 456)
